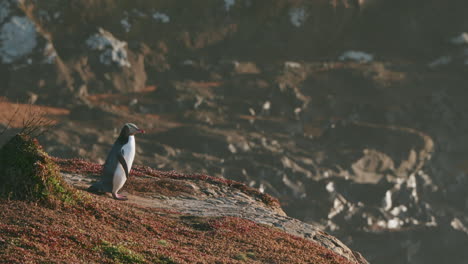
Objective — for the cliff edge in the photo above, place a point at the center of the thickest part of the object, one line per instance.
(170, 218)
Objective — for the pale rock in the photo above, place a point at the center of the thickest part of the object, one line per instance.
(358, 56)
(113, 51)
(17, 39)
(298, 16)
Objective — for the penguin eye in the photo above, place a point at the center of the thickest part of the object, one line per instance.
(123, 152)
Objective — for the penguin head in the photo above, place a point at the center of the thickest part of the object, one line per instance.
(130, 129)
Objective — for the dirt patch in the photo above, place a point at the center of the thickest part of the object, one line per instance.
(22, 112)
(166, 182)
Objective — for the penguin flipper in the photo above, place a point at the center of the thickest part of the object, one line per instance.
(122, 161)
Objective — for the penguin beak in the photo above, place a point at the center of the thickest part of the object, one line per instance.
(141, 131)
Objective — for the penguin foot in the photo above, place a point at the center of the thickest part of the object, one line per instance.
(119, 197)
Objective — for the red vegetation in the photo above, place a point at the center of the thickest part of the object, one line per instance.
(85, 167)
(31, 234)
(105, 231)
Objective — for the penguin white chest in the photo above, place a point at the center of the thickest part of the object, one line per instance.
(128, 152)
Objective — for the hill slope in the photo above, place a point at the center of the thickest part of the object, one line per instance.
(101, 230)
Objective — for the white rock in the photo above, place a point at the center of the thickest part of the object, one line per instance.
(251, 183)
(232, 149)
(394, 223)
(133, 102)
(458, 225)
(245, 146)
(126, 24)
(298, 15)
(261, 188)
(387, 202)
(444, 60)
(292, 65)
(398, 210)
(411, 183)
(461, 39)
(267, 106)
(433, 222)
(382, 223)
(358, 56)
(113, 50)
(49, 54)
(17, 39)
(199, 101)
(338, 207)
(228, 4)
(161, 17)
(330, 187)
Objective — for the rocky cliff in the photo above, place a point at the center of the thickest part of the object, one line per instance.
(171, 218)
(352, 113)
(96, 46)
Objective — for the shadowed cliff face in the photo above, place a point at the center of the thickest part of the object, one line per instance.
(98, 45)
(352, 114)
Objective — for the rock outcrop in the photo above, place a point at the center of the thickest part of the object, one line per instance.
(350, 112)
(204, 196)
(96, 46)
(31, 183)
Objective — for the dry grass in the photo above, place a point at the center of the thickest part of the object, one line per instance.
(22, 112)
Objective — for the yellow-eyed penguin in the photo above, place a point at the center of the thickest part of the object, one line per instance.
(119, 162)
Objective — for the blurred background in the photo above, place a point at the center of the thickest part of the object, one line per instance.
(352, 112)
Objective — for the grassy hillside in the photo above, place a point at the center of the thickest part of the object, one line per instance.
(42, 219)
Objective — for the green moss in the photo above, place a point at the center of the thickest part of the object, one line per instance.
(28, 173)
(245, 256)
(162, 242)
(120, 254)
(197, 222)
(241, 257)
(163, 260)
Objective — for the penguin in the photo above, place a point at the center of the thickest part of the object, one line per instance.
(118, 162)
